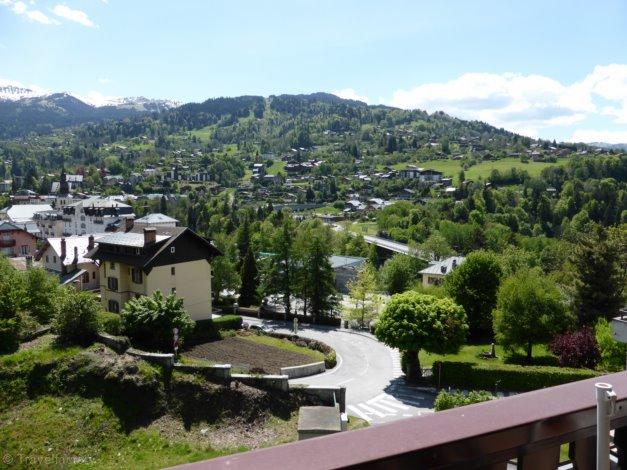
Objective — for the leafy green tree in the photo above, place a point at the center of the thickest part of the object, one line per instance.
(149, 321)
(530, 309)
(76, 321)
(250, 280)
(613, 353)
(412, 321)
(12, 295)
(224, 267)
(362, 291)
(436, 246)
(599, 264)
(474, 285)
(243, 239)
(373, 256)
(43, 290)
(400, 272)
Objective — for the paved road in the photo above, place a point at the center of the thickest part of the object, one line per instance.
(370, 371)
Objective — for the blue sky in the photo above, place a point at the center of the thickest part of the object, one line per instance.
(542, 68)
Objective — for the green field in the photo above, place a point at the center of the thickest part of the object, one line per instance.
(277, 166)
(451, 168)
(471, 353)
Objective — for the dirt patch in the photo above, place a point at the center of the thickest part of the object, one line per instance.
(258, 358)
(48, 338)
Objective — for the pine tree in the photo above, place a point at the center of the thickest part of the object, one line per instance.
(64, 187)
(373, 256)
(243, 239)
(320, 291)
(249, 276)
(163, 205)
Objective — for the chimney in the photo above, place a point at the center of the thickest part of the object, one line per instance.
(454, 263)
(90, 243)
(63, 249)
(443, 269)
(129, 222)
(75, 255)
(150, 235)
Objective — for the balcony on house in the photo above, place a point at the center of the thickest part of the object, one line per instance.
(523, 431)
(7, 242)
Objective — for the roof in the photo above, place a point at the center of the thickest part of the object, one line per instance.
(131, 239)
(443, 267)
(24, 212)
(97, 202)
(156, 218)
(346, 261)
(76, 241)
(191, 247)
(70, 277)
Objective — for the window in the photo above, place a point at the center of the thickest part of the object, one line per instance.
(112, 283)
(172, 249)
(173, 271)
(54, 259)
(173, 291)
(85, 277)
(114, 306)
(47, 259)
(112, 266)
(137, 276)
(24, 249)
(93, 275)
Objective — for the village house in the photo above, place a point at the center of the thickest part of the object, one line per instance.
(435, 273)
(22, 213)
(142, 260)
(65, 257)
(49, 223)
(345, 269)
(94, 215)
(155, 220)
(16, 240)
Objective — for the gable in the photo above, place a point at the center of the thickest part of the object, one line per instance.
(188, 246)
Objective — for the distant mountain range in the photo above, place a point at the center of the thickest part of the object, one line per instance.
(24, 110)
(621, 147)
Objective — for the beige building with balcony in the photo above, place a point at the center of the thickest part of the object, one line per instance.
(173, 260)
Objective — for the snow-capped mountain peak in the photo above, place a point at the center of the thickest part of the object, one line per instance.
(13, 92)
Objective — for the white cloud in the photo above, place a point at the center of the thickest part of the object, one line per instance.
(76, 16)
(350, 94)
(104, 80)
(595, 135)
(524, 103)
(20, 8)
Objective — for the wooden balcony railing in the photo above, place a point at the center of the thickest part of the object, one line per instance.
(529, 427)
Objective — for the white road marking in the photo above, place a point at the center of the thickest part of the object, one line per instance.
(372, 410)
(387, 409)
(395, 404)
(359, 414)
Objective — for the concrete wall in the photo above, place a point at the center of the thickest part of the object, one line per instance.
(214, 372)
(166, 360)
(273, 382)
(328, 395)
(304, 370)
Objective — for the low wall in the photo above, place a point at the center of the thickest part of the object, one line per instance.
(118, 343)
(328, 395)
(294, 372)
(273, 382)
(214, 372)
(166, 360)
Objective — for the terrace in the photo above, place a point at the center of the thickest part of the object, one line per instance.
(529, 427)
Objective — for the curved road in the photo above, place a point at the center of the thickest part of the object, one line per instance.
(370, 371)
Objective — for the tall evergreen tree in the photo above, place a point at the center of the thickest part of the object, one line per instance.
(64, 187)
(249, 276)
(320, 290)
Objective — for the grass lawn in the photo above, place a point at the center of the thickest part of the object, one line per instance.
(471, 352)
(277, 166)
(286, 345)
(204, 133)
(365, 228)
(42, 349)
(451, 168)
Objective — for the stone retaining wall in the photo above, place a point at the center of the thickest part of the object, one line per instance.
(166, 360)
(305, 370)
(214, 372)
(118, 343)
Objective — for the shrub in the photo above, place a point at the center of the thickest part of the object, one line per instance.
(576, 348)
(110, 323)
(612, 352)
(9, 334)
(209, 330)
(491, 376)
(447, 400)
(42, 299)
(149, 321)
(76, 321)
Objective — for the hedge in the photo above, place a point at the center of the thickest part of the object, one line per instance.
(272, 315)
(504, 376)
(209, 330)
(110, 323)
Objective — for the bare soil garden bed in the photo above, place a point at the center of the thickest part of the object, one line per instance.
(247, 355)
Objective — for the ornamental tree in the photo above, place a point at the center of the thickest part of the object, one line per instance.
(474, 285)
(530, 309)
(413, 321)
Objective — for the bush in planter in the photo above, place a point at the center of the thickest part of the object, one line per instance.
(209, 330)
(149, 321)
(577, 348)
(76, 321)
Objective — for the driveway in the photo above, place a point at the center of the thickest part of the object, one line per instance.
(370, 371)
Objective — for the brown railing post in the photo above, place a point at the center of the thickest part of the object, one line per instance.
(583, 453)
(545, 459)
